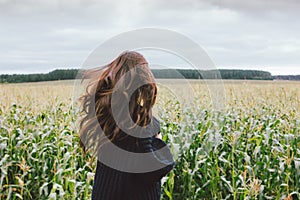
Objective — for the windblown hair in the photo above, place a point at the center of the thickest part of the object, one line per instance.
(97, 123)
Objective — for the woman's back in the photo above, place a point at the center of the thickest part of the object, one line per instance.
(110, 183)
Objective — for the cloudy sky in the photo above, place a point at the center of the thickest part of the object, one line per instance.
(39, 36)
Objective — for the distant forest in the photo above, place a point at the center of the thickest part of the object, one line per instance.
(288, 77)
(59, 74)
(66, 74)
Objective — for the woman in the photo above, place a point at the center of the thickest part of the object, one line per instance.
(118, 125)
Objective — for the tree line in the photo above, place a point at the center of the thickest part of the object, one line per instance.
(288, 77)
(65, 74)
(212, 74)
(59, 74)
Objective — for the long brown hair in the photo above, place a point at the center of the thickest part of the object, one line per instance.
(96, 103)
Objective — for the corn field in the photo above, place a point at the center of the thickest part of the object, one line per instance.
(248, 150)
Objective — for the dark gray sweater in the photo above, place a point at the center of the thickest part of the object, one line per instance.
(112, 184)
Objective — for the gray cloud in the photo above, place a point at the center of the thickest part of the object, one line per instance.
(259, 6)
(42, 35)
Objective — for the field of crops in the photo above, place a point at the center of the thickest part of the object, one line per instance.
(250, 149)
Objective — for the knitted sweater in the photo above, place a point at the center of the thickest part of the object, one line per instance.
(113, 184)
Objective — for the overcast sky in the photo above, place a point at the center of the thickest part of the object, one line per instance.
(39, 36)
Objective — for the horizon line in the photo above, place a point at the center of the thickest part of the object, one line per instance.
(173, 68)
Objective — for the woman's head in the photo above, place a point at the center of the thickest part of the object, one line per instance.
(130, 78)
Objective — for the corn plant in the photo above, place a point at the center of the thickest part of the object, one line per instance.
(248, 150)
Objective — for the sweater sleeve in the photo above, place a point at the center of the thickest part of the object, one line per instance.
(165, 158)
(161, 154)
